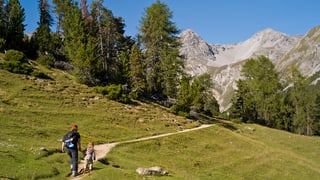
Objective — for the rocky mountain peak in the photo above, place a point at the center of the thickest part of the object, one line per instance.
(196, 50)
(269, 38)
(268, 33)
(188, 35)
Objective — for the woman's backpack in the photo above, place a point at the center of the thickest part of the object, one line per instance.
(69, 140)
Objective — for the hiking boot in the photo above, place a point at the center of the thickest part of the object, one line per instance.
(74, 174)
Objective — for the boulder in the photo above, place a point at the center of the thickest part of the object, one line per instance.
(156, 170)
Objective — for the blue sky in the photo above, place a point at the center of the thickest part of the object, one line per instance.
(216, 21)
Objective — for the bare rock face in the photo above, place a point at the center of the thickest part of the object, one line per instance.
(196, 51)
(156, 170)
(305, 54)
(224, 62)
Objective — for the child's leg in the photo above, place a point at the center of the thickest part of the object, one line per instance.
(85, 165)
(90, 166)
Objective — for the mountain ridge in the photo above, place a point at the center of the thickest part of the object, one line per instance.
(224, 62)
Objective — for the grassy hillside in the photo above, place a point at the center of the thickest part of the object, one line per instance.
(35, 114)
(239, 151)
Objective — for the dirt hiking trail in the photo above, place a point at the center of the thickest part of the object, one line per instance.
(102, 150)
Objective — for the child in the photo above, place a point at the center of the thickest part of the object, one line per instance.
(89, 157)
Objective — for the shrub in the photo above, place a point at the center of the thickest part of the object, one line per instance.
(184, 114)
(15, 56)
(177, 108)
(46, 60)
(16, 62)
(101, 89)
(125, 99)
(181, 110)
(16, 67)
(113, 92)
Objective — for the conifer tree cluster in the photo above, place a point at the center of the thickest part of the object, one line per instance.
(11, 25)
(261, 98)
(90, 42)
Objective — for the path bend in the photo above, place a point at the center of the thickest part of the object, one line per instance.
(101, 150)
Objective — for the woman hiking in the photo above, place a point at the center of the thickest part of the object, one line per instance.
(71, 143)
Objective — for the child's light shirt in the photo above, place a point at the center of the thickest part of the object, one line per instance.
(90, 154)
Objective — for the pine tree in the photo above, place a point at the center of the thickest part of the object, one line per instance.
(96, 44)
(185, 95)
(61, 7)
(258, 97)
(103, 28)
(202, 96)
(161, 47)
(200, 87)
(2, 25)
(14, 27)
(80, 46)
(112, 46)
(302, 102)
(317, 115)
(195, 92)
(43, 34)
(242, 105)
(137, 76)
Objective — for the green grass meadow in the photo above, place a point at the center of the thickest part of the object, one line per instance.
(36, 113)
(221, 153)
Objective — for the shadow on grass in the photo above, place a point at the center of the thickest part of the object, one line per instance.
(47, 152)
(104, 161)
(229, 126)
(219, 121)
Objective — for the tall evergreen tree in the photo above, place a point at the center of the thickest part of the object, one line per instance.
(242, 103)
(302, 102)
(200, 87)
(258, 95)
(96, 44)
(317, 115)
(14, 27)
(43, 36)
(196, 92)
(80, 46)
(112, 46)
(2, 25)
(161, 47)
(202, 96)
(185, 95)
(61, 7)
(137, 75)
